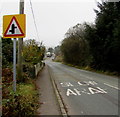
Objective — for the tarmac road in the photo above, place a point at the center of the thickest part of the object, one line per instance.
(84, 92)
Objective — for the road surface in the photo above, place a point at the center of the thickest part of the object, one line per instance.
(84, 92)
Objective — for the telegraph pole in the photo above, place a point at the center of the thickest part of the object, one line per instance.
(20, 46)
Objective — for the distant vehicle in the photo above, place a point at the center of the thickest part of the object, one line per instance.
(48, 54)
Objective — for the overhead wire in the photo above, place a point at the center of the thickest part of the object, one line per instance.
(34, 19)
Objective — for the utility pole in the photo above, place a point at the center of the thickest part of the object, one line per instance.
(20, 47)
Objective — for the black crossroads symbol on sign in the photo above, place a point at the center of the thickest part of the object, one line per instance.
(13, 29)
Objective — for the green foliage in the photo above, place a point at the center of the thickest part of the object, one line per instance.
(22, 103)
(96, 45)
(57, 51)
(7, 78)
(50, 50)
(33, 52)
(58, 58)
(29, 71)
(7, 52)
(75, 48)
(104, 37)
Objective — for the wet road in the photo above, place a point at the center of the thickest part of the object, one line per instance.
(84, 92)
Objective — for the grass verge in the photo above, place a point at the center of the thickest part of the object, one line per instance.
(94, 70)
(58, 59)
(23, 102)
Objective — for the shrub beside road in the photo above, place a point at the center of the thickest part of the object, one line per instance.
(23, 102)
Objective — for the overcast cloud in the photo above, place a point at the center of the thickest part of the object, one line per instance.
(53, 18)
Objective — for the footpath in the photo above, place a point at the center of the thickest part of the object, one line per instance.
(47, 98)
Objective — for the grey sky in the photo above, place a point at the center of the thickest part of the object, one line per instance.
(53, 18)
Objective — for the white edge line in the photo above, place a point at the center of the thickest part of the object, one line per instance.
(111, 86)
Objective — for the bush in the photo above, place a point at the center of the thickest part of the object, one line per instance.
(29, 69)
(33, 52)
(22, 103)
(7, 52)
(75, 51)
(75, 47)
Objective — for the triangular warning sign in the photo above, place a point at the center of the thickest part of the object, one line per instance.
(14, 29)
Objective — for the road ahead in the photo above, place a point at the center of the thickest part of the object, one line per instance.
(84, 92)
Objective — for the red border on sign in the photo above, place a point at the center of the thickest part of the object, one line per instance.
(5, 35)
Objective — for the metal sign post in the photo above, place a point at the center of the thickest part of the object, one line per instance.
(14, 64)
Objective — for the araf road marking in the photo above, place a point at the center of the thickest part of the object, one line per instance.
(66, 84)
(84, 91)
(77, 91)
(70, 92)
(96, 90)
(111, 86)
(92, 90)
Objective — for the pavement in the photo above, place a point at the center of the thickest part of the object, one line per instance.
(47, 98)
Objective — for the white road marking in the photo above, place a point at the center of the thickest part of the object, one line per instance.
(96, 90)
(111, 86)
(66, 84)
(84, 91)
(70, 92)
(85, 83)
(77, 91)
